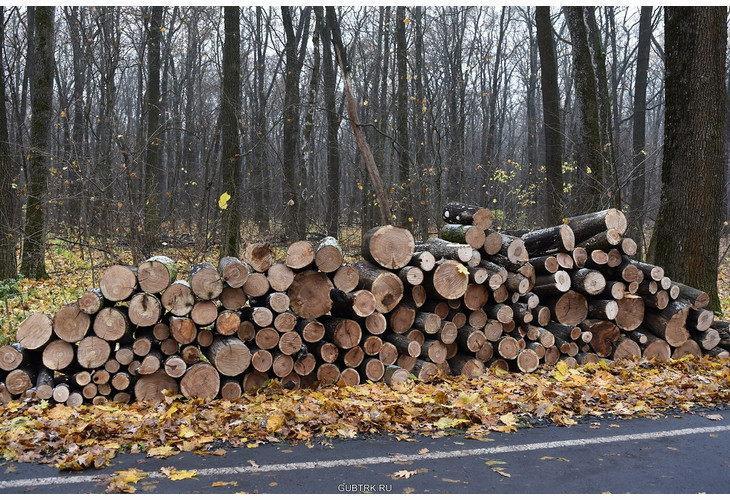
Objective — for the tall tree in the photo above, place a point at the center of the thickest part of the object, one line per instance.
(8, 259)
(687, 232)
(638, 163)
(586, 131)
(151, 221)
(405, 211)
(41, 105)
(551, 116)
(230, 145)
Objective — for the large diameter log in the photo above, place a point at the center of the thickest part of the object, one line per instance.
(631, 311)
(328, 255)
(587, 225)
(259, 256)
(388, 246)
(156, 273)
(91, 301)
(201, 381)
(299, 255)
(309, 294)
(14, 355)
(35, 331)
(569, 308)
(183, 330)
(700, 319)
(394, 374)
(549, 240)
(311, 330)
(151, 387)
(205, 312)
(205, 281)
(669, 323)
(144, 309)
(460, 213)
(656, 348)
(20, 380)
(626, 349)
(229, 355)
(70, 323)
(448, 281)
(346, 278)
(527, 361)
(178, 298)
(57, 355)
(385, 286)
(233, 272)
(689, 347)
(93, 352)
(118, 282)
(112, 324)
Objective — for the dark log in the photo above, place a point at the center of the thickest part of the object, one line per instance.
(604, 240)
(552, 284)
(470, 338)
(460, 213)
(360, 303)
(602, 309)
(466, 366)
(549, 240)
(464, 233)
(586, 225)
(394, 374)
(344, 333)
(587, 281)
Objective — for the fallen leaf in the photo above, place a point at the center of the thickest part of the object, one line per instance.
(408, 490)
(714, 416)
(423, 451)
(162, 451)
(273, 483)
(176, 475)
(219, 452)
(559, 459)
(447, 480)
(495, 462)
(218, 484)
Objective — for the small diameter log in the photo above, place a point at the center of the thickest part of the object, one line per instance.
(183, 330)
(299, 255)
(328, 255)
(388, 246)
(434, 351)
(492, 242)
(344, 333)
(602, 309)
(545, 264)
(328, 373)
(282, 365)
(626, 349)
(151, 387)
(470, 338)
(44, 384)
(404, 345)
(205, 281)
(371, 369)
(203, 339)
(285, 322)
(689, 347)
(290, 343)
(565, 259)
(597, 259)
(401, 318)
(517, 283)
(660, 300)
(542, 315)
(112, 324)
(12, 356)
(458, 318)
(477, 319)
(231, 389)
(448, 332)
(513, 249)
(253, 381)
(178, 299)
(259, 256)
(91, 301)
(411, 275)
(655, 348)
(346, 278)
(266, 338)
(228, 322)
(507, 347)
(311, 330)
(588, 281)
(279, 276)
(152, 362)
(233, 272)
(229, 355)
(719, 353)
(549, 240)
(385, 286)
(417, 294)
(464, 233)
(327, 352)
(394, 374)
(371, 344)
(124, 354)
(261, 359)
(118, 282)
(580, 256)
(656, 273)
(707, 339)
(614, 258)
(309, 294)
(448, 281)
(174, 366)
(278, 302)
(156, 273)
(700, 319)
(205, 312)
(201, 381)
(304, 364)
(144, 309)
(20, 380)
(425, 370)
(360, 303)
(586, 225)
(466, 366)
(350, 376)
(121, 381)
(259, 316)
(427, 322)
(246, 331)
(460, 213)
(93, 352)
(527, 361)
(569, 308)
(697, 298)
(57, 355)
(604, 240)
(631, 312)
(584, 358)
(501, 312)
(35, 331)
(552, 284)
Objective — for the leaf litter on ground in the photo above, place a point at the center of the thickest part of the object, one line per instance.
(77, 438)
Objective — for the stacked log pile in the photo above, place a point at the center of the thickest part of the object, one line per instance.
(469, 300)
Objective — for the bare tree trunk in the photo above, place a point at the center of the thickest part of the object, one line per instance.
(231, 154)
(41, 104)
(687, 232)
(405, 211)
(551, 116)
(8, 170)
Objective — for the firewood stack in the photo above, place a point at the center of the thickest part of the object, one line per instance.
(472, 299)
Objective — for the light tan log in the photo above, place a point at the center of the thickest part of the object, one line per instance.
(388, 246)
(344, 333)
(233, 272)
(309, 294)
(259, 256)
(205, 312)
(144, 309)
(156, 273)
(229, 355)
(689, 347)
(93, 352)
(311, 330)
(346, 278)
(178, 299)
(118, 282)
(385, 286)
(201, 381)
(91, 301)
(183, 330)
(328, 255)
(150, 387)
(35, 331)
(394, 374)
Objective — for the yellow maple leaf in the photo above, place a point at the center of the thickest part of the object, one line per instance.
(274, 422)
(162, 451)
(224, 483)
(508, 419)
(177, 475)
(223, 200)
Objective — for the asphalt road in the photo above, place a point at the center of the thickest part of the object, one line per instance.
(687, 453)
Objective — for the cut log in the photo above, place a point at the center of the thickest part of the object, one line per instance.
(261, 359)
(346, 278)
(91, 301)
(175, 367)
(178, 299)
(388, 246)
(507, 347)
(513, 249)
(12, 356)
(602, 309)
(376, 323)
(545, 264)
(404, 345)
(20, 380)
(325, 351)
(443, 249)
(351, 358)
(597, 259)
(152, 362)
(425, 370)
(614, 257)
(279, 276)
(688, 348)
(124, 354)
(229, 321)
(350, 376)
(205, 312)
(466, 366)
(360, 303)
(267, 338)
(584, 358)
(121, 381)
(257, 285)
(394, 374)
(233, 272)
(282, 365)
(569, 308)
(259, 256)
(300, 255)
(309, 294)
(201, 381)
(118, 282)
(434, 351)
(549, 240)
(604, 240)
(586, 225)
(492, 243)
(93, 352)
(305, 364)
(246, 331)
(669, 323)
(411, 275)
(385, 286)
(448, 332)
(311, 330)
(605, 334)
(460, 213)
(231, 389)
(278, 302)
(35, 331)
(151, 387)
(658, 301)
(656, 348)
(253, 381)
(470, 339)
(344, 333)
(285, 322)
(552, 284)
(463, 233)
(183, 330)
(527, 361)
(371, 345)
(328, 373)
(112, 324)
(707, 339)
(205, 281)
(156, 273)
(144, 309)
(588, 281)
(328, 255)
(290, 343)
(580, 256)
(626, 349)
(229, 355)
(401, 318)
(449, 280)
(477, 319)
(700, 319)
(501, 312)
(58, 355)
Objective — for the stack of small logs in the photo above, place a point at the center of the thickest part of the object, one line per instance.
(470, 300)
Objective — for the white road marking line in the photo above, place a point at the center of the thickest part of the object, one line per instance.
(438, 455)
